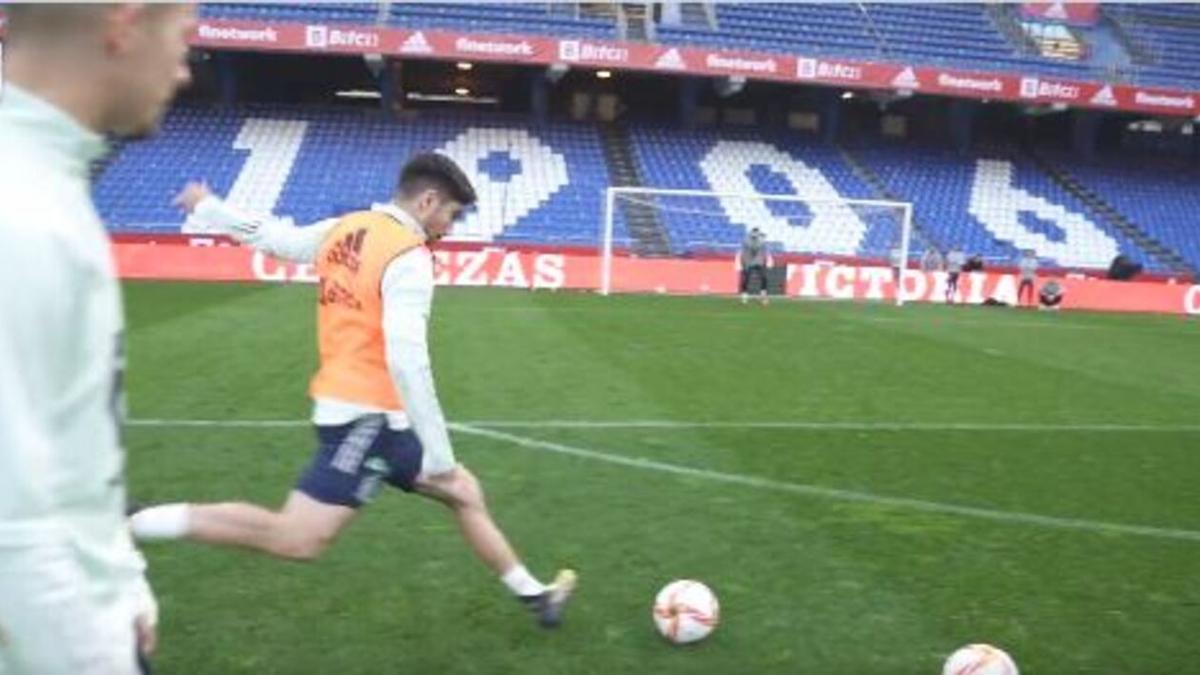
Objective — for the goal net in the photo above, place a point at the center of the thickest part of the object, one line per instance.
(687, 241)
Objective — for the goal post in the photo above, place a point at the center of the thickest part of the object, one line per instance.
(677, 226)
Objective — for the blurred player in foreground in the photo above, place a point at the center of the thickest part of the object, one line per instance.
(73, 595)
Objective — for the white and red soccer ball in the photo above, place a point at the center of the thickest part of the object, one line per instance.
(686, 611)
(980, 659)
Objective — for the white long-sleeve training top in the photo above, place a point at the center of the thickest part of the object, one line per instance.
(61, 354)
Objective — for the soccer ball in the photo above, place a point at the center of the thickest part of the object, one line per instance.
(686, 611)
(979, 660)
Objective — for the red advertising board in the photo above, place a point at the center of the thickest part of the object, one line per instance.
(1074, 13)
(319, 38)
(878, 283)
(511, 267)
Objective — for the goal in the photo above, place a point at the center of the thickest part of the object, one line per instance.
(685, 241)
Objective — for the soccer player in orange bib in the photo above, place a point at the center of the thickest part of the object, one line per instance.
(376, 412)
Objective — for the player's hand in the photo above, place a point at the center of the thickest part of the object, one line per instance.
(147, 635)
(146, 617)
(192, 194)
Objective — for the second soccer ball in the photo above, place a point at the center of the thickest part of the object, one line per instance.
(980, 659)
(686, 611)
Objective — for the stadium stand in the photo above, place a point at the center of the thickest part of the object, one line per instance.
(1168, 39)
(498, 18)
(545, 185)
(544, 182)
(964, 35)
(506, 18)
(1159, 195)
(941, 184)
(832, 28)
(967, 35)
(746, 162)
(357, 13)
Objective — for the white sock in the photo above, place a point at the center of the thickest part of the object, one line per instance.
(168, 521)
(521, 582)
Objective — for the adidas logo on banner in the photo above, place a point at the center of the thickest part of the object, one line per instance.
(1056, 10)
(671, 60)
(1104, 96)
(907, 79)
(416, 44)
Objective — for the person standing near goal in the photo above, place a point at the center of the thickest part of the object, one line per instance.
(1028, 266)
(73, 594)
(931, 260)
(753, 261)
(376, 412)
(955, 260)
(898, 264)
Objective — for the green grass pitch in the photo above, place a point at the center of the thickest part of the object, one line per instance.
(865, 487)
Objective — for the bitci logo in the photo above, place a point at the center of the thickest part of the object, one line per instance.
(1029, 87)
(316, 36)
(568, 50)
(806, 69)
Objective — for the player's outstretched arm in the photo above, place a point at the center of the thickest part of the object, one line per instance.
(274, 236)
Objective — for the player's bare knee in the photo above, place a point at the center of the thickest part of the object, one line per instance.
(303, 548)
(295, 540)
(457, 488)
(470, 490)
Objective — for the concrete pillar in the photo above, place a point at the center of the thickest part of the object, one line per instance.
(1085, 130)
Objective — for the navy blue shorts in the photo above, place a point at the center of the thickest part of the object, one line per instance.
(354, 461)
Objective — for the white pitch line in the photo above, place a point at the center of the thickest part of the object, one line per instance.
(221, 424)
(801, 425)
(827, 426)
(834, 493)
(478, 429)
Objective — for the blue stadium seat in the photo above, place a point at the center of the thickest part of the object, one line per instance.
(359, 13)
(960, 35)
(955, 35)
(1167, 35)
(675, 160)
(545, 183)
(505, 18)
(939, 183)
(1159, 195)
(349, 159)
